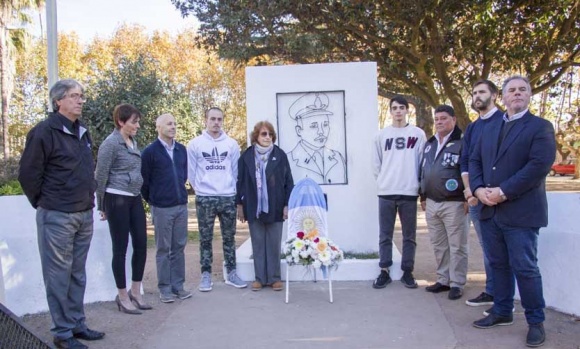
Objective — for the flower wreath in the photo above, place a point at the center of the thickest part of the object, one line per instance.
(309, 249)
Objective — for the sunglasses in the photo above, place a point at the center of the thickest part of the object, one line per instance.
(266, 134)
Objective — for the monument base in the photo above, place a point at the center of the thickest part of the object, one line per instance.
(348, 270)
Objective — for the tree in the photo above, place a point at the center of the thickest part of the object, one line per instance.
(157, 72)
(433, 50)
(12, 12)
(135, 82)
(567, 120)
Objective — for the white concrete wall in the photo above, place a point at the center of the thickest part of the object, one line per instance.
(353, 208)
(21, 269)
(559, 253)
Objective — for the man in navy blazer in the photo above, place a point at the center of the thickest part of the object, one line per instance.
(507, 172)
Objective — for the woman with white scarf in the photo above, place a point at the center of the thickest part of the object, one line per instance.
(263, 189)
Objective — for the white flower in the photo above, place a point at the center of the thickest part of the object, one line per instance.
(295, 253)
(304, 254)
(298, 244)
(289, 259)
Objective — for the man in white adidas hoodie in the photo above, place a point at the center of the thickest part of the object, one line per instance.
(212, 159)
(397, 155)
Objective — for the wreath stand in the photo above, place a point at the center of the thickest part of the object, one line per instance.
(307, 193)
(288, 282)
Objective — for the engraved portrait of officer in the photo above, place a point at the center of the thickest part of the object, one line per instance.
(311, 157)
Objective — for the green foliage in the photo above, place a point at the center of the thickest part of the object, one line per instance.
(192, 236)
(432, 50)
(361, 255)
(11, 188)
(13, 13)
(135, 82)
(158, 73)
(9, 170)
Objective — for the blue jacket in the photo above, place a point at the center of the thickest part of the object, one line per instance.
(163, 179)
(519, 167)
(471, 137)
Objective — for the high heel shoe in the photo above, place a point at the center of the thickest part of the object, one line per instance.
(125, 309)
(142, 306)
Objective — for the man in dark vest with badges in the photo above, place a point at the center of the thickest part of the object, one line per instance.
(442, 199)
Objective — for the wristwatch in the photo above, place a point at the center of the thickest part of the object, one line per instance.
(502, 195)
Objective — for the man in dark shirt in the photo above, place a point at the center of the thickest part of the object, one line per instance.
(164, 170)
(57, 176)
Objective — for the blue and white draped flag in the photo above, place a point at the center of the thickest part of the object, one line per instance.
(307, 209)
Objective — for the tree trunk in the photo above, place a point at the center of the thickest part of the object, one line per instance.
(4, 90)
(423, 111)
(424, 116)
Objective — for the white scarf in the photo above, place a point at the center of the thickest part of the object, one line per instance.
(261, 155)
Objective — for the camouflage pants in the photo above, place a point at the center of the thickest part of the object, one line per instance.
(208, 207)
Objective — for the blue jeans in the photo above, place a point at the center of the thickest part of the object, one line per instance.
(474, 217)
(513, 251)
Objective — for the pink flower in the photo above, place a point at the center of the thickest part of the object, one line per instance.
(316, 240)
(300, 235)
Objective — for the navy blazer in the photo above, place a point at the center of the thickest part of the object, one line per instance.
(519, 167)
(279, 182)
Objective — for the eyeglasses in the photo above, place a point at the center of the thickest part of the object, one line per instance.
(77, 97)
(266, 134)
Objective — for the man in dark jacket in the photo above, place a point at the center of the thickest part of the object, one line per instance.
(484, 94)
(507, 172)
(164, 170)
(442, 199)
(57, 176)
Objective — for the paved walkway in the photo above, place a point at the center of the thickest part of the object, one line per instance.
(360, 317)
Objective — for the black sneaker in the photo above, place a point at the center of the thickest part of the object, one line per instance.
(490, 311)
(408, 280)
(482, 299)
(493, 320)
(383, 280)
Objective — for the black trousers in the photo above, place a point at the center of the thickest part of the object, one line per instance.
(126, 216)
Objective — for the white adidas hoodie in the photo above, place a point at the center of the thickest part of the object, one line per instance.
(396, 158)
(213, 164)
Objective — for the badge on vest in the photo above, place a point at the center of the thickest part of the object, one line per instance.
(451, 185)
(450, 160)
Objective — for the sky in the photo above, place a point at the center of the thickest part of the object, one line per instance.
(90, 18)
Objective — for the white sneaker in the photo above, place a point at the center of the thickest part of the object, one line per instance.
(205, 284)
(234, 280)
